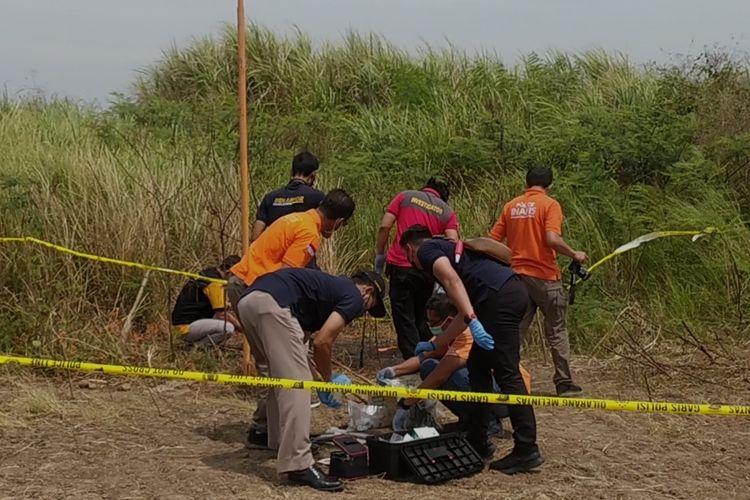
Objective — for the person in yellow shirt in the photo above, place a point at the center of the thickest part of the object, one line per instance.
(290, 242)
(200, 314)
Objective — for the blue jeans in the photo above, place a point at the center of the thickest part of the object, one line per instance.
(459, 381)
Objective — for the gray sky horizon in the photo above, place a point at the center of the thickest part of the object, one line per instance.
(87, 49)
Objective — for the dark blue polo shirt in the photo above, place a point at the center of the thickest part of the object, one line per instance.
(312, 295)
(479, 273)
(294, 197)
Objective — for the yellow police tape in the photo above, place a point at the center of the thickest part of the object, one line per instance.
(388, 392)
(652, 236)
(618, 251)
(98, 258)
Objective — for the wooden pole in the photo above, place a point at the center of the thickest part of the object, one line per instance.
(244, 172)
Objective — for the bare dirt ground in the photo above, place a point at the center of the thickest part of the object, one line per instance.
(78, 436)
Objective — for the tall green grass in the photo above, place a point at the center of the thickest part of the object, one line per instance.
(154, 178)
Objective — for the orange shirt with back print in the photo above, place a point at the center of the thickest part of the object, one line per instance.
(523, 224)
(292, 241)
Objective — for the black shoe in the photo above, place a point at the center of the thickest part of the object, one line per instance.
(568, 390)
(485, 450)
(518, 462)
(314, 478)
(256, 440)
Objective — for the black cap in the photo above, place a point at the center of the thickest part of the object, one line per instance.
(377, 281)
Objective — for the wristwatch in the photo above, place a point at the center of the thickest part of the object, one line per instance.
(471, 317)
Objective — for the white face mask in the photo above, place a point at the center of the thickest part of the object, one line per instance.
(438, 330)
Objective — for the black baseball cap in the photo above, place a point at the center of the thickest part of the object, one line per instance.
(377, 281)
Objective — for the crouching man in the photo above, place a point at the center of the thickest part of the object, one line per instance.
(445, 369)
(277, 310)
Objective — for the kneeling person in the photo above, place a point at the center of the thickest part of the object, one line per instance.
(445, 368)
(277, 310)
(200, 313)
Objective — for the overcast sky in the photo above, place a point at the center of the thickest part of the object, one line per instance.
(89, 48)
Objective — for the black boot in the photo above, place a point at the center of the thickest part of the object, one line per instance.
(485, 449)
(314, 478)
(519, 461)
(256, 440)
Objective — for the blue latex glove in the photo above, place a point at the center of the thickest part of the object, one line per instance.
(328, 398)
(425, 347)
(481, 337)
(338, 378)
(386, 373)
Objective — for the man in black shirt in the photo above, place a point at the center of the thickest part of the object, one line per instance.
(476, 282)
(281, 309)
(297, 196)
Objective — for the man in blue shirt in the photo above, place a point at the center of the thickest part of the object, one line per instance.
(281, 309)
(486, 294)
(297, 196)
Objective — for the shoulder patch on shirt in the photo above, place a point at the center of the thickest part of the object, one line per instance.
(311, 250)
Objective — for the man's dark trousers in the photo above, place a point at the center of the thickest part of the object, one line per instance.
(500, 314)
(409, 291)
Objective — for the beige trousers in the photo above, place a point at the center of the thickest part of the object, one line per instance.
(281, 341)
(551, 298)
(234, 290)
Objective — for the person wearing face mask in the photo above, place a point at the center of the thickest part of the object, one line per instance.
(445, 369)
(491, 300)
(275, 312)
(292, 241)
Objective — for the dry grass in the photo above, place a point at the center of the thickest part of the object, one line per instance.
(37, 401)
(178, 440)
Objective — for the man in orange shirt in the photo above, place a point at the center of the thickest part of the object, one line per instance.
(291, 241)
(532, 226)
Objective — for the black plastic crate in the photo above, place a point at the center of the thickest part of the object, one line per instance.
(431, 460)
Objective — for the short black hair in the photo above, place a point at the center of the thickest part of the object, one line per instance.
(539, 175)
(417, 232)
(229, 262)
(304, 163)
(440, 187)
(442, 305)
(337, 204)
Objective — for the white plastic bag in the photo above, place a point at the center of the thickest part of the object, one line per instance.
(364, 417)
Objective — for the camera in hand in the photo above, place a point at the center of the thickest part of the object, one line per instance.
(579, 270)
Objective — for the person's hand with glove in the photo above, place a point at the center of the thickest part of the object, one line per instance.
(480, 335)
(387, 373)
(379, 264)
(423, 348)
(328, 398)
